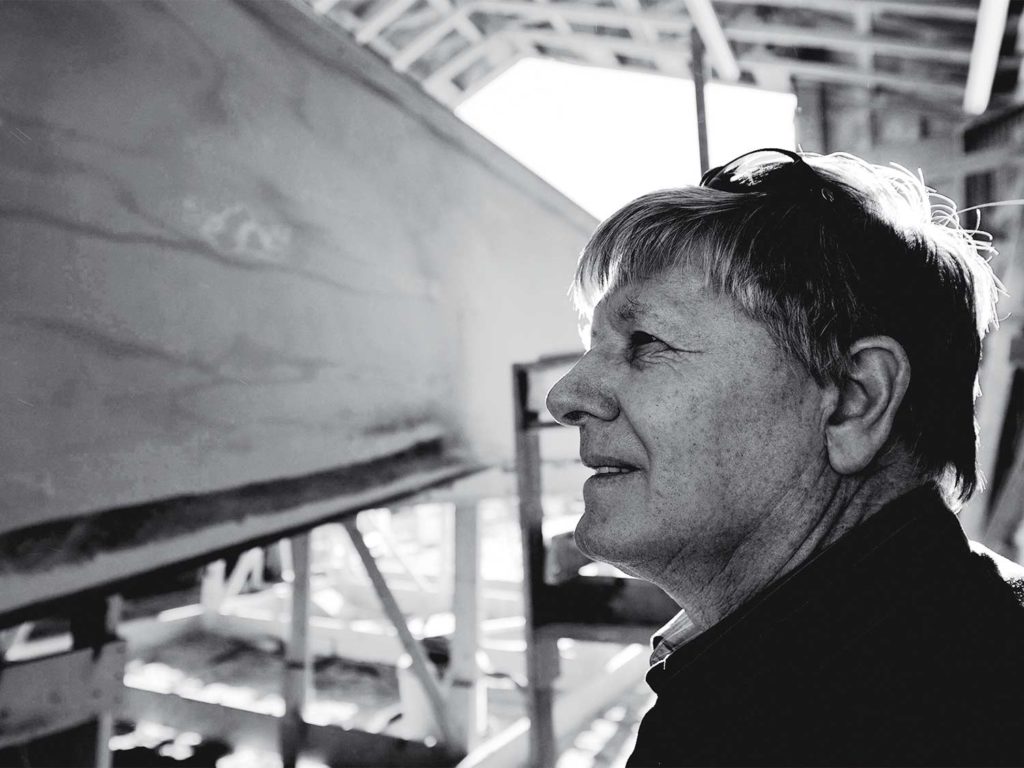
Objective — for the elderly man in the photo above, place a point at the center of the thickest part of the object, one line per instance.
(778, 403)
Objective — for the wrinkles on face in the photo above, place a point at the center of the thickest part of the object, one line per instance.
(723, 428)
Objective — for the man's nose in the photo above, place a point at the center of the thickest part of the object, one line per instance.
(582, 392)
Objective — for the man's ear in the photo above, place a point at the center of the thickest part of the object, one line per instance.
(866, 403)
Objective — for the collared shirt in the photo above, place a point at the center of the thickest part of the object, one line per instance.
(894, 646)
(679, 630)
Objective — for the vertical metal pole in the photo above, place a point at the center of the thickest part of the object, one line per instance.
(697, 67)
(541, 650)
(297, 656)
(467, 698)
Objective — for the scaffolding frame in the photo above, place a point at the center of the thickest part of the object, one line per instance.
(595, 608)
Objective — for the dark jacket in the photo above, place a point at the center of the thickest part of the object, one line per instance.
(895, 646)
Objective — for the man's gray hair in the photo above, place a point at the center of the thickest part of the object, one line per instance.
(876, 253)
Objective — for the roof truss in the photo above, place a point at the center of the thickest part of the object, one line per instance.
(898, 46)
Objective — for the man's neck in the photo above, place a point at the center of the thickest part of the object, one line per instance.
(792, 531)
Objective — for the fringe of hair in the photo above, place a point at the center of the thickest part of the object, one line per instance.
(884, 254)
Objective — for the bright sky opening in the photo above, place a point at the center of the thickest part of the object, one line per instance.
(603, 136)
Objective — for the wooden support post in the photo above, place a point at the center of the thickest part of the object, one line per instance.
(467, 699)
(420, 664)
(211, 591)
(386, 541)
(93, 626)
(284, 552)
(541, 651)
(446, 549)
(92, 629)
(297, 656)
(697, 67)
(248, 567)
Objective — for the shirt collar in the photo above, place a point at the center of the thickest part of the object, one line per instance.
(679, 630)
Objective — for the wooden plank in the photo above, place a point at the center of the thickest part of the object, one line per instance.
(988, 37)
(924, 10)
(647, 22)
(838, 73)
(55, 693)
(139, 381)
(43, 564)
(420, 664)
(467, 698)
(541, 652)
(718, 50)
(93, 626)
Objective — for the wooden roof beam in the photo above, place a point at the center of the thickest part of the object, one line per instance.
(777, 34)
(719, 53)
(479, 82)
(524, 9)
(585, 45)
(381, 18)
(837, 73)
(465, 25)
(931, 10)
(624, 19)
(324, 6)
(988, 37)
(1019, 93)
(648, 33)
(862, 23)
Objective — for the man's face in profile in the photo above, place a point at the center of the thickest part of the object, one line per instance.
(696, 422)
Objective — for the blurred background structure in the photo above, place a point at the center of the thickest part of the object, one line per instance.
(276, 325)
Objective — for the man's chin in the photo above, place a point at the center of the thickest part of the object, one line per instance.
(590, 543)
(583, 543)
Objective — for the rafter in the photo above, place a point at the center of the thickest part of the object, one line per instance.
(719, 52)
(479, 82)
(461, 62)
(623, 18)
(837, 73)
(1019, 94)
(923, 10)
(648, 33)
(777, 34)
(587, 44)
(862, 23)
(524, 9)
(324, 6)
(988, 34)
(465, 26)
(379, 20)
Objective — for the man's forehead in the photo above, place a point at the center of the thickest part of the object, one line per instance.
(668, 298)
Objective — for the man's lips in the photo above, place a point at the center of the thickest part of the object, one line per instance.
(608, 466)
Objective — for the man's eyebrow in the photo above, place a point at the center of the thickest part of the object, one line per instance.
(631, 309)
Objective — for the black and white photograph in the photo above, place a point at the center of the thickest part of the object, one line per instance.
(511, 383)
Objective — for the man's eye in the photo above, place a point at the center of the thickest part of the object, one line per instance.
(640, 342)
